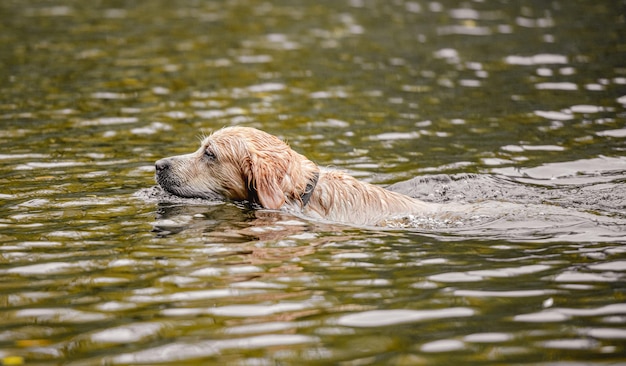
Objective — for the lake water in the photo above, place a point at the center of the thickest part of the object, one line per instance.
(502, 104)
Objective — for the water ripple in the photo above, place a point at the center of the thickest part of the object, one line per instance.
(180, 351)
(379, 318)
(58, 315)
(562, 314)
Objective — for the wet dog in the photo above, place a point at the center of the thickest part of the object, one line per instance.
(246, 164)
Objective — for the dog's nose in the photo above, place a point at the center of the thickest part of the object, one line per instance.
(162, 165)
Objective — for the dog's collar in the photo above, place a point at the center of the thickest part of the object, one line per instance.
(308, 191)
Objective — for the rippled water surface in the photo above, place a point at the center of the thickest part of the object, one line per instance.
(515, 107)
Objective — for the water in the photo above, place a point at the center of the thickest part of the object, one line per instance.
(478, 102)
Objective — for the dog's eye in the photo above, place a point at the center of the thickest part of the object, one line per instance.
(209, 154)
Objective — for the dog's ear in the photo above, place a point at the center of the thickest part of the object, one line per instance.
(264, 181)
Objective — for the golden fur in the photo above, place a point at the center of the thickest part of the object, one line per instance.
(243, 163)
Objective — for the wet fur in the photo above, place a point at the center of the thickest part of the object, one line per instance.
(243, 163)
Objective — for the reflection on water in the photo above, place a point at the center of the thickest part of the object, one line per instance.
(517, 108)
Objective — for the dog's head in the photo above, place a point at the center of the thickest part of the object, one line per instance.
(239, 163)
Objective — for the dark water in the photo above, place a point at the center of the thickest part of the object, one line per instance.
(519, 107)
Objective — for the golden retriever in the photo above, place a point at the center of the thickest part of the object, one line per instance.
(247, 164)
